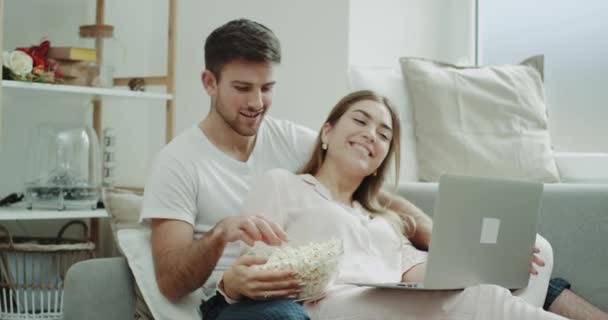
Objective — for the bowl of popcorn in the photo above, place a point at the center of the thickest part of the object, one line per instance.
(315, 263)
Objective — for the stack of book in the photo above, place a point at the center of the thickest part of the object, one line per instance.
(77, 65)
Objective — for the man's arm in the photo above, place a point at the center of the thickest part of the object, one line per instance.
(424, 224)
(183, 264)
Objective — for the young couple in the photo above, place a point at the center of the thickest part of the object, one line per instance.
(194, 202)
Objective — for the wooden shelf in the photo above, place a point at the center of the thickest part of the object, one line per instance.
(107, 92)
(21, 213)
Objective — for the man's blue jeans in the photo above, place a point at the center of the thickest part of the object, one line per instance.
(216, 308)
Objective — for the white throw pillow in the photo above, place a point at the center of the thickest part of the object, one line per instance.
(135, 245)
(388, 81)
(123, 206)
(484, 121)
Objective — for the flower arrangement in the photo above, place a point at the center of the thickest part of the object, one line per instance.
(30, 64)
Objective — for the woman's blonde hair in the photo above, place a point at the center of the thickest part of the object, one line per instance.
(367, 192)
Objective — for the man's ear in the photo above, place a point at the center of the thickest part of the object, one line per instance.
(325, 132)
(209, 82)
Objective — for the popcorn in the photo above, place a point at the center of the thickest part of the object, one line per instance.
(316, 264)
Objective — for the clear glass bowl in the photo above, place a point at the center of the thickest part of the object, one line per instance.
(316, 263)
(64, 168)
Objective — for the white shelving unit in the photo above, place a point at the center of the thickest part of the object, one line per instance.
(22, 213)
(106, 92)
(98, 94)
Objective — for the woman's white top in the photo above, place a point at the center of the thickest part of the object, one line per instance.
(374, 251)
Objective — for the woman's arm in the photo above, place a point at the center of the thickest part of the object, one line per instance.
(241, 280)
(424, 224)
(415, 273)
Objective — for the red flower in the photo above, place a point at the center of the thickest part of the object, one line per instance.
(38, 54)
(41, 63)
(43, 48)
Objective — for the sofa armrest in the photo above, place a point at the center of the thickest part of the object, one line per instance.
(581, 167)
(573, 218)
(99, 289)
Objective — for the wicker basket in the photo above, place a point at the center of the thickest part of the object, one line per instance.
(32, 270)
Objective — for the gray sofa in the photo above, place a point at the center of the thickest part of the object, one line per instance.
(574, 219)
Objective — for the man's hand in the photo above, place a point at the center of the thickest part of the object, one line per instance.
(250, 229)
(241, 280)
(536, 259)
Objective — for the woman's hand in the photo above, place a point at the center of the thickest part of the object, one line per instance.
(536, 260)
(241, 280)
(415, 273)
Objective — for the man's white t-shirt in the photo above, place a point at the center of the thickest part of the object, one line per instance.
(193, 181)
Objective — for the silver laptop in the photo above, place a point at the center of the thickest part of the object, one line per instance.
(484, 231)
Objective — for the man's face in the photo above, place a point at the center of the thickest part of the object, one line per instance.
(242, 95)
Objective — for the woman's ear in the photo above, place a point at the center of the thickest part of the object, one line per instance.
(325, 132)
(209, 82)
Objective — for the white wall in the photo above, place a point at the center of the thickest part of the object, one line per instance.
(314, 39)
(1, 42)
(310, 80)
(381, 31)
(572, 36)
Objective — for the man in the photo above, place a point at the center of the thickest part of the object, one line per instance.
(198, 181)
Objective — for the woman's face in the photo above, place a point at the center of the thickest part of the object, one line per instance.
(361, 139)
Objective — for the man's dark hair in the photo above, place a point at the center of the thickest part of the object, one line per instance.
(240, 39)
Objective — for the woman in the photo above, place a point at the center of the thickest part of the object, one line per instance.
(336, 196)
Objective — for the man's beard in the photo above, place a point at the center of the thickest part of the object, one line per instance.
(234, 123)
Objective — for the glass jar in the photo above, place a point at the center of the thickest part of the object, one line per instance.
(64, 169)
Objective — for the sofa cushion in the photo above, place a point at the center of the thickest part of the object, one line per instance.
(123, 206)
(484, 121)
(388, 81)
(135, 245)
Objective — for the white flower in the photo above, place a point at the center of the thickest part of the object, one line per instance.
(18, 62)
(5, 58)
